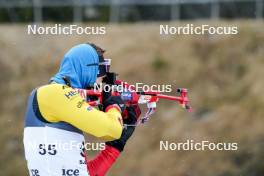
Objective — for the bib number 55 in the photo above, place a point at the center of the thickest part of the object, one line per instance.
(50, 149)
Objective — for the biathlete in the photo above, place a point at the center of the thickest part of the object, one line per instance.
(57, 116)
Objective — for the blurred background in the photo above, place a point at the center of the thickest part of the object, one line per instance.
(224, 75)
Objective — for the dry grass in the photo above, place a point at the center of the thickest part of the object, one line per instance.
(224, 75)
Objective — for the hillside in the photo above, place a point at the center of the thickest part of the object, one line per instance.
(224, 75)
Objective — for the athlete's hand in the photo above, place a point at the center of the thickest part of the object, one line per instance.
(129, 128)
(114, 100)
(131, 111)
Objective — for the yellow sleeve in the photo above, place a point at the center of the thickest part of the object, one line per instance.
(61, 103)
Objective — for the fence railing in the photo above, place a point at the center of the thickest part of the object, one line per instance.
(116, 5)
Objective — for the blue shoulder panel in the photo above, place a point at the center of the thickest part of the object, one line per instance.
(33, 117)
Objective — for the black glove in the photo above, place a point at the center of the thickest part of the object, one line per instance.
(114, 100)
(129, 128)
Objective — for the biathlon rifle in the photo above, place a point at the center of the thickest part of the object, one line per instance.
(132, 97)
